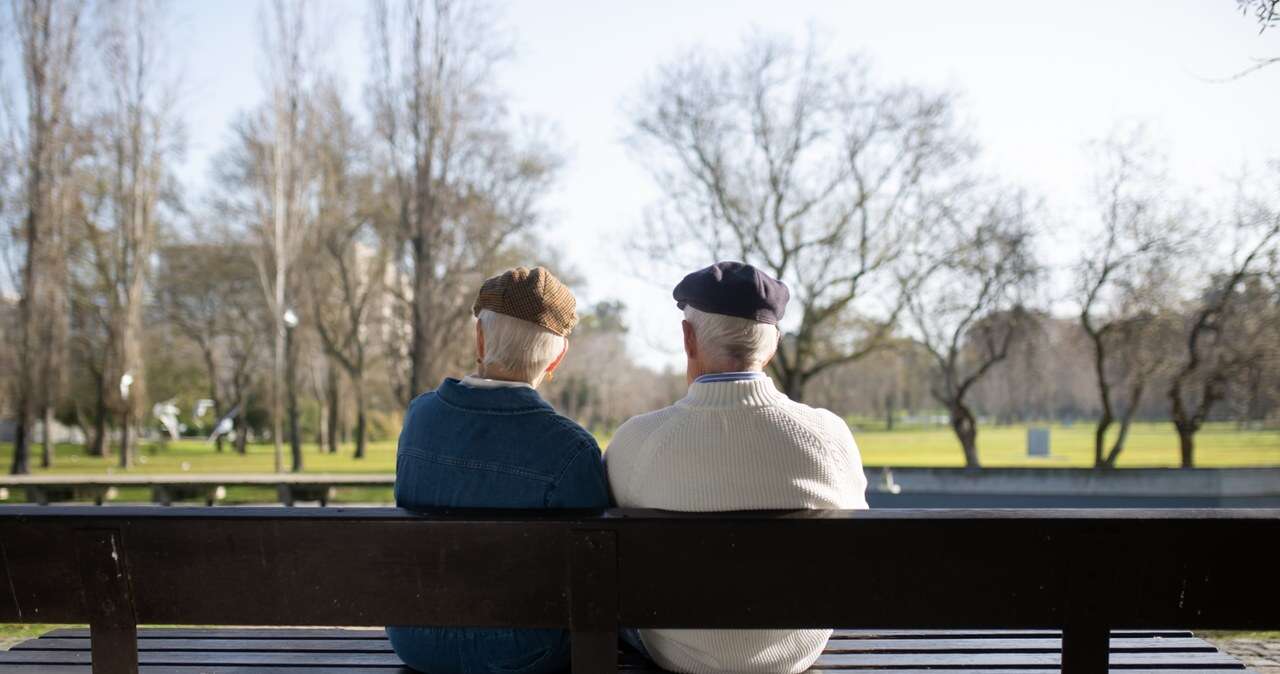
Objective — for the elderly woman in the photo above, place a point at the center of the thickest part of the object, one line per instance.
(490, 441)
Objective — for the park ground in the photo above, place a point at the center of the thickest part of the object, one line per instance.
(1150, 445)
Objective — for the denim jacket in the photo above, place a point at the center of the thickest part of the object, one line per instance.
(465, 447)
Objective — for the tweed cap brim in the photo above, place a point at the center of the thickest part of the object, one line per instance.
(533, 295)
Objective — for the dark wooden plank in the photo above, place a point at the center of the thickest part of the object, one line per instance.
(203, 645)
(993, 645)
(104, 574)
(210, 669)
(236, 633)
(957, 660)
(594, 594)
(1002, 634)
(848, 646)
(202, 571)
(210, 658)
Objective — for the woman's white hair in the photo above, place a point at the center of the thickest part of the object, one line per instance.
(732, 344)
(516, 347)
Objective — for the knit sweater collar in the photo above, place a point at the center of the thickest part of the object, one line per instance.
(748, 393)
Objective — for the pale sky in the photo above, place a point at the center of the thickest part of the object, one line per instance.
(1037, 81)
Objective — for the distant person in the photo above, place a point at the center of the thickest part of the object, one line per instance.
(490, 441)
(733, 443)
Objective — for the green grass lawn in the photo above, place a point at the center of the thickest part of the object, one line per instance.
(1150, 445)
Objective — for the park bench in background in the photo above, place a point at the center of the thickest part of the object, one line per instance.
(207, 487)
(1083, 572)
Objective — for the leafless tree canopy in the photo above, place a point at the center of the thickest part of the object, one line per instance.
(807, 168)
(465, 183)
(973, 304)
(1124, 280)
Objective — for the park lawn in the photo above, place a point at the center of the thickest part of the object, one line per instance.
(1150, 445)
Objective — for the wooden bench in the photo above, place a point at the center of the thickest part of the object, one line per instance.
(207, 487)
(1084, 572)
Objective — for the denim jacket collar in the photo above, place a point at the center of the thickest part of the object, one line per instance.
(506, 400)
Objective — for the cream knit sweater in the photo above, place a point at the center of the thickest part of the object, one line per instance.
(739, 445)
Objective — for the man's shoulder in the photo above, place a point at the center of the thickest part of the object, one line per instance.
(819, 420)
(639, 427)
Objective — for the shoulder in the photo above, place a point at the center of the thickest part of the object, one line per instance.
(634, 431)
(823, 424)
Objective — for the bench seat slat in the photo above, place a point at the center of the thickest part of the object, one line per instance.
(166, 650)
(1003, 634)
(236, 633)
(926, 660)
(242, 645)
(206, 669)
(381, 645)
(210, 658)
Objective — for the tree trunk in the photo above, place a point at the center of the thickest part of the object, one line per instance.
(46, 442)
(126, 446)
(1100, 440)
(1186, 446)
(360, 414)
(101, 447)
(242, 434)
(335, 409)
(966, 430)
(21, 444)
(888, 412)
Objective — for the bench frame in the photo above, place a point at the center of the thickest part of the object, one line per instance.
(1083, 571)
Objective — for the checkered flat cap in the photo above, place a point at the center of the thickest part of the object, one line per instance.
(532, 295)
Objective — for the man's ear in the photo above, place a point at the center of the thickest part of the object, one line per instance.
(765, 364)
(560, 358)
(690, 340)
(479, 343)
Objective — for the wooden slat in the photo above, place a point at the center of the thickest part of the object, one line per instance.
(955, 660)
(213, 645)
(1003, 634)
(209, 669)
(210, 658)
(235, 633)
(848, 646)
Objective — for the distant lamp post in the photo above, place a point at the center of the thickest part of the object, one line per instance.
(126, 457)
(290, 319)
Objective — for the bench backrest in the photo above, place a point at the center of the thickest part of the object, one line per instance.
(1085, 571)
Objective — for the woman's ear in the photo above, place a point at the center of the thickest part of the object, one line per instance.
(560, 358)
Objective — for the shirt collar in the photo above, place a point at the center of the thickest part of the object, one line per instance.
(728, 376)
(476, 381)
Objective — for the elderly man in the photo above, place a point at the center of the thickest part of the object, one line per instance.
(733, 443)
(490, 441)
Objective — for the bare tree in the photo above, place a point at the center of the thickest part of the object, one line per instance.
(973, 305)
(464, 186)
(1123, 282)
(48, 35)
(1267, 14)
(805, 167)
(346, 288)
(135, 136)
(1221, 337)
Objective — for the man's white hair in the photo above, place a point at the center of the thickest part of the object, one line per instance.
(516, 347)
(732, 344)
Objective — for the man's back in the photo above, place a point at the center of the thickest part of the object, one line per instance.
(473, 444)
(736, 445)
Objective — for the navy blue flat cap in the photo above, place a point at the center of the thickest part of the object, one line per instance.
(734, 289)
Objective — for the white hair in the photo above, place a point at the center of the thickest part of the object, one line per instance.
(732, 344)
(517, 347)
